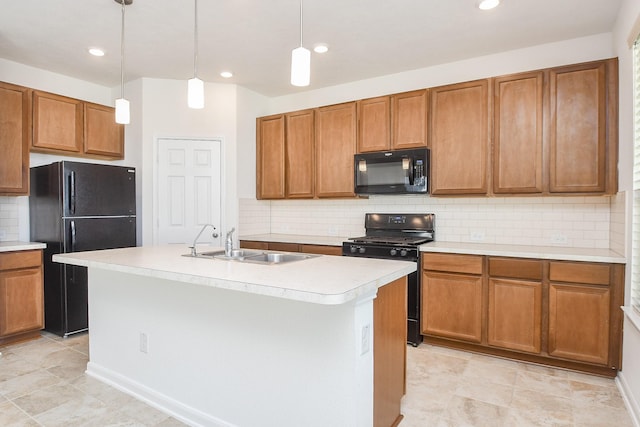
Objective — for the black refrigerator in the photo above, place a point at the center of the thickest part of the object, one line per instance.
(77, 207)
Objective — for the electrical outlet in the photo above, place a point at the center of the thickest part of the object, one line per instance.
(477, 236)
(365, 344)
(3, 234)
(144, 343)
(559, 239)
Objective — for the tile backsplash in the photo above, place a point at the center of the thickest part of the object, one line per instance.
(582, 222)
(9, 223)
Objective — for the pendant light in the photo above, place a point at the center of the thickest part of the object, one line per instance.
(122, 105)
(195, 86)
(300, 61)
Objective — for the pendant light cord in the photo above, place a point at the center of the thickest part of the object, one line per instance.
(122, 54)
(195, 40)
(300, 23)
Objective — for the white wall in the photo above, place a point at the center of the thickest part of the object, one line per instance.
(625, 29)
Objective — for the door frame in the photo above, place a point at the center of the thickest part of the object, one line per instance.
(156, 188)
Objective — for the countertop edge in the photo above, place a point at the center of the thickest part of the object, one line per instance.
(520, 251)
(14, 246)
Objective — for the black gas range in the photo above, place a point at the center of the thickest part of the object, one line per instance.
(397, 236)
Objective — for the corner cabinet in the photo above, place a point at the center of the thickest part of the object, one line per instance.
(68, 126)
(559, 313)
(15, 134)
(459, 137)
(21, 295)
(583, 128)
(335, 147)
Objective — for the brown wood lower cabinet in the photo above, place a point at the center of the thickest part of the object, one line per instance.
(292, 247)
(21, 295)
(560, 313)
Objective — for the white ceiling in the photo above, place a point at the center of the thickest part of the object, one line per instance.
(254, 38)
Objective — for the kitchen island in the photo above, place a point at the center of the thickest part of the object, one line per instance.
(228, 343)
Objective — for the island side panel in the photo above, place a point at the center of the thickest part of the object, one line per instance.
(225, 358)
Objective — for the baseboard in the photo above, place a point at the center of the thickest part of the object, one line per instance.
(630, 402)
(166, 404)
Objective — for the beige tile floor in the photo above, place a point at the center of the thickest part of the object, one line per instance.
(42, 383)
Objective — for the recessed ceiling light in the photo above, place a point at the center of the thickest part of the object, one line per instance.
(96, 51)
(320, 48)
(488, 4)
(226, 74)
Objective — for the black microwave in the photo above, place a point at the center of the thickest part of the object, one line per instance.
(392, 172)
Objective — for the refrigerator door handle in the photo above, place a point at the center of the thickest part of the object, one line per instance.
(72, 192)
(73, 235)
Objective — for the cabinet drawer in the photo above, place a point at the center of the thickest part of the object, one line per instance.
(20, 259)
(284, 247)
(515, 268)
(252, 244)
(470, 264)
(575, 272)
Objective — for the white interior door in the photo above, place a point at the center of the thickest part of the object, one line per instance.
(189, 190)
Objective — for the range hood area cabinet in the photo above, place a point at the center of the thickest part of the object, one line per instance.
(392, 122)
(306, 154)
(15, 134)
(68, 126)
(543, 132)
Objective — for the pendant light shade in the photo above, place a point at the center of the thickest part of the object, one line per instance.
(300, 62)
(123, 115)
(195, 86)
(300, 66)
(195, 93)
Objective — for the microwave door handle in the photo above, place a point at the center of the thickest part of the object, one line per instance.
(411, 172)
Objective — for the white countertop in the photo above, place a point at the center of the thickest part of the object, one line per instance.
(297, 238)
(11, 246)
(323, 279)
(524, 251)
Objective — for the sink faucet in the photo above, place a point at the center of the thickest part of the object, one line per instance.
(228, 244)
(214, 235)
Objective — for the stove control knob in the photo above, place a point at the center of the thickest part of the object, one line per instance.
(393, 252)
(403, 252)
(353, 249)
(361, 250)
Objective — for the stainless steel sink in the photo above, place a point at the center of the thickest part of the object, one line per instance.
(253, 256)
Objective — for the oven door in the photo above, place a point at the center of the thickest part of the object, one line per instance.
(391, 172)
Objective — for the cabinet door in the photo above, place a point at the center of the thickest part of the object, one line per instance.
(57, 123)
(373, 124)
(579, 322)
(459, 138)
(517, 135)
(335, 148)
(270, 157)
(21, 299)
(14, 139)
(102, 135)
(452, 306)
(515, 314)
(578, 128)
(409, 118)
(299, 154)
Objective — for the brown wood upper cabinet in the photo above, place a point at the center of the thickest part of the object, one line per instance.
(394, 122)
(284, 155)
(68, 126)
(459, 137)
(518, 133)
(15, 134)
(335, 147)
(583, 128)
(270, 157)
